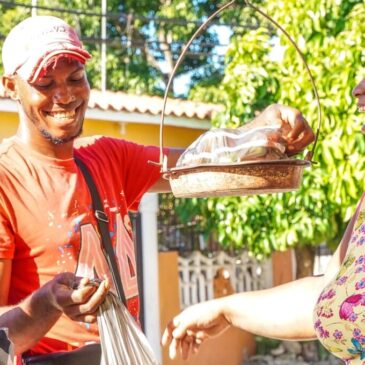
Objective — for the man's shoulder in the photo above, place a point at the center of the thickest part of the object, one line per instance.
(99, 142)
(91, 141)
(87, 141)
(9, 155)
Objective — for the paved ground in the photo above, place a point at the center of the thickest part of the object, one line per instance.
(294, 353)
(270, 360)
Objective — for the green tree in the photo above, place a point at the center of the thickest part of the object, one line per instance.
(144, 39)
(330, 35)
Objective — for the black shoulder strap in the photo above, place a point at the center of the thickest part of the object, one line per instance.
(103, 220)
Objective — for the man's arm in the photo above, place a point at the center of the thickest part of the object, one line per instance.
(162, 185)
(31, 319)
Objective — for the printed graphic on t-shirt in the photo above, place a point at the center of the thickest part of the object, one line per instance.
(91, 261)
(47, 223)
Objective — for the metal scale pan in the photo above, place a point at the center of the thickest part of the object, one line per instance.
(244, 178)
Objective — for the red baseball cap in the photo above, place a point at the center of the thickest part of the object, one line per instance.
(30, 46)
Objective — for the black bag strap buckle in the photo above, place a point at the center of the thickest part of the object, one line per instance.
(101, 216)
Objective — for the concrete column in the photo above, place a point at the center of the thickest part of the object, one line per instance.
(148, 210)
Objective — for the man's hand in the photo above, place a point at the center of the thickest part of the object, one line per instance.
(78, 298)
(294, 128)
(33, 317)
(188, 330)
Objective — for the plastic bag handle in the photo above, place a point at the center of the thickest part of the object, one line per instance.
(163, 158)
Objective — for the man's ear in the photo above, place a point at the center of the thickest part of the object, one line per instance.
(10, 86)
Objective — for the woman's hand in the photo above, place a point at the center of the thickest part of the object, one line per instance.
(294, 128)
(188, 330)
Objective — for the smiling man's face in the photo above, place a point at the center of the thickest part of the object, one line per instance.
(56, 102)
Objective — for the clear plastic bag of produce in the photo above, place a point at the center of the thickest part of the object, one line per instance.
(227, 146)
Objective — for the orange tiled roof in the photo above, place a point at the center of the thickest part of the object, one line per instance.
(120, 101)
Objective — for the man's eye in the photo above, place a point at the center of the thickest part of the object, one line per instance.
(77, 77)
(43, 84)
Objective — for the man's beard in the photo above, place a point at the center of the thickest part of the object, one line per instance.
(57, 140)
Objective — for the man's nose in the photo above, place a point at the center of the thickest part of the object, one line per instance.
(63, 96)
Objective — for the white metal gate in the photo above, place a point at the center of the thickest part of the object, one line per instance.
(197, 275)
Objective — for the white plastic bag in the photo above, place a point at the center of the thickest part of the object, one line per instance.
(122, 341)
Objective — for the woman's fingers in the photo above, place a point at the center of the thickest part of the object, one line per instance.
(294, 127)
(185, 346)
(167, 334)
(173, 348)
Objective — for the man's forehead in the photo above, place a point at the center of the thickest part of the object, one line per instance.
(60, 61)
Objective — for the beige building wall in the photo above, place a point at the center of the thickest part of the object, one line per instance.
(140, 133)
(8, 124)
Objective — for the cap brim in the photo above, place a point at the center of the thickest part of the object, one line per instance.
(32, 68)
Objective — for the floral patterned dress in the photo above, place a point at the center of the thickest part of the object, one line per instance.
(339, 315)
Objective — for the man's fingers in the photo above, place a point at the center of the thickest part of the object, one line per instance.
(82, 304)
(94, 299)
(81, 294)
(86, 318)
(84, 282)
(65, 296)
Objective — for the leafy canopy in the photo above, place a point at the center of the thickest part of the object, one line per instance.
(143, 40)
(330, 34)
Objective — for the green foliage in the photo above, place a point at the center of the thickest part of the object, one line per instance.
(331, 36)
(144, 39)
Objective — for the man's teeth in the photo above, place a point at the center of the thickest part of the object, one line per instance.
(361, 108)
(62, 115)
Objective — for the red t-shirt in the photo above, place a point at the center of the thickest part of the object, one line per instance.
(47, 224)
